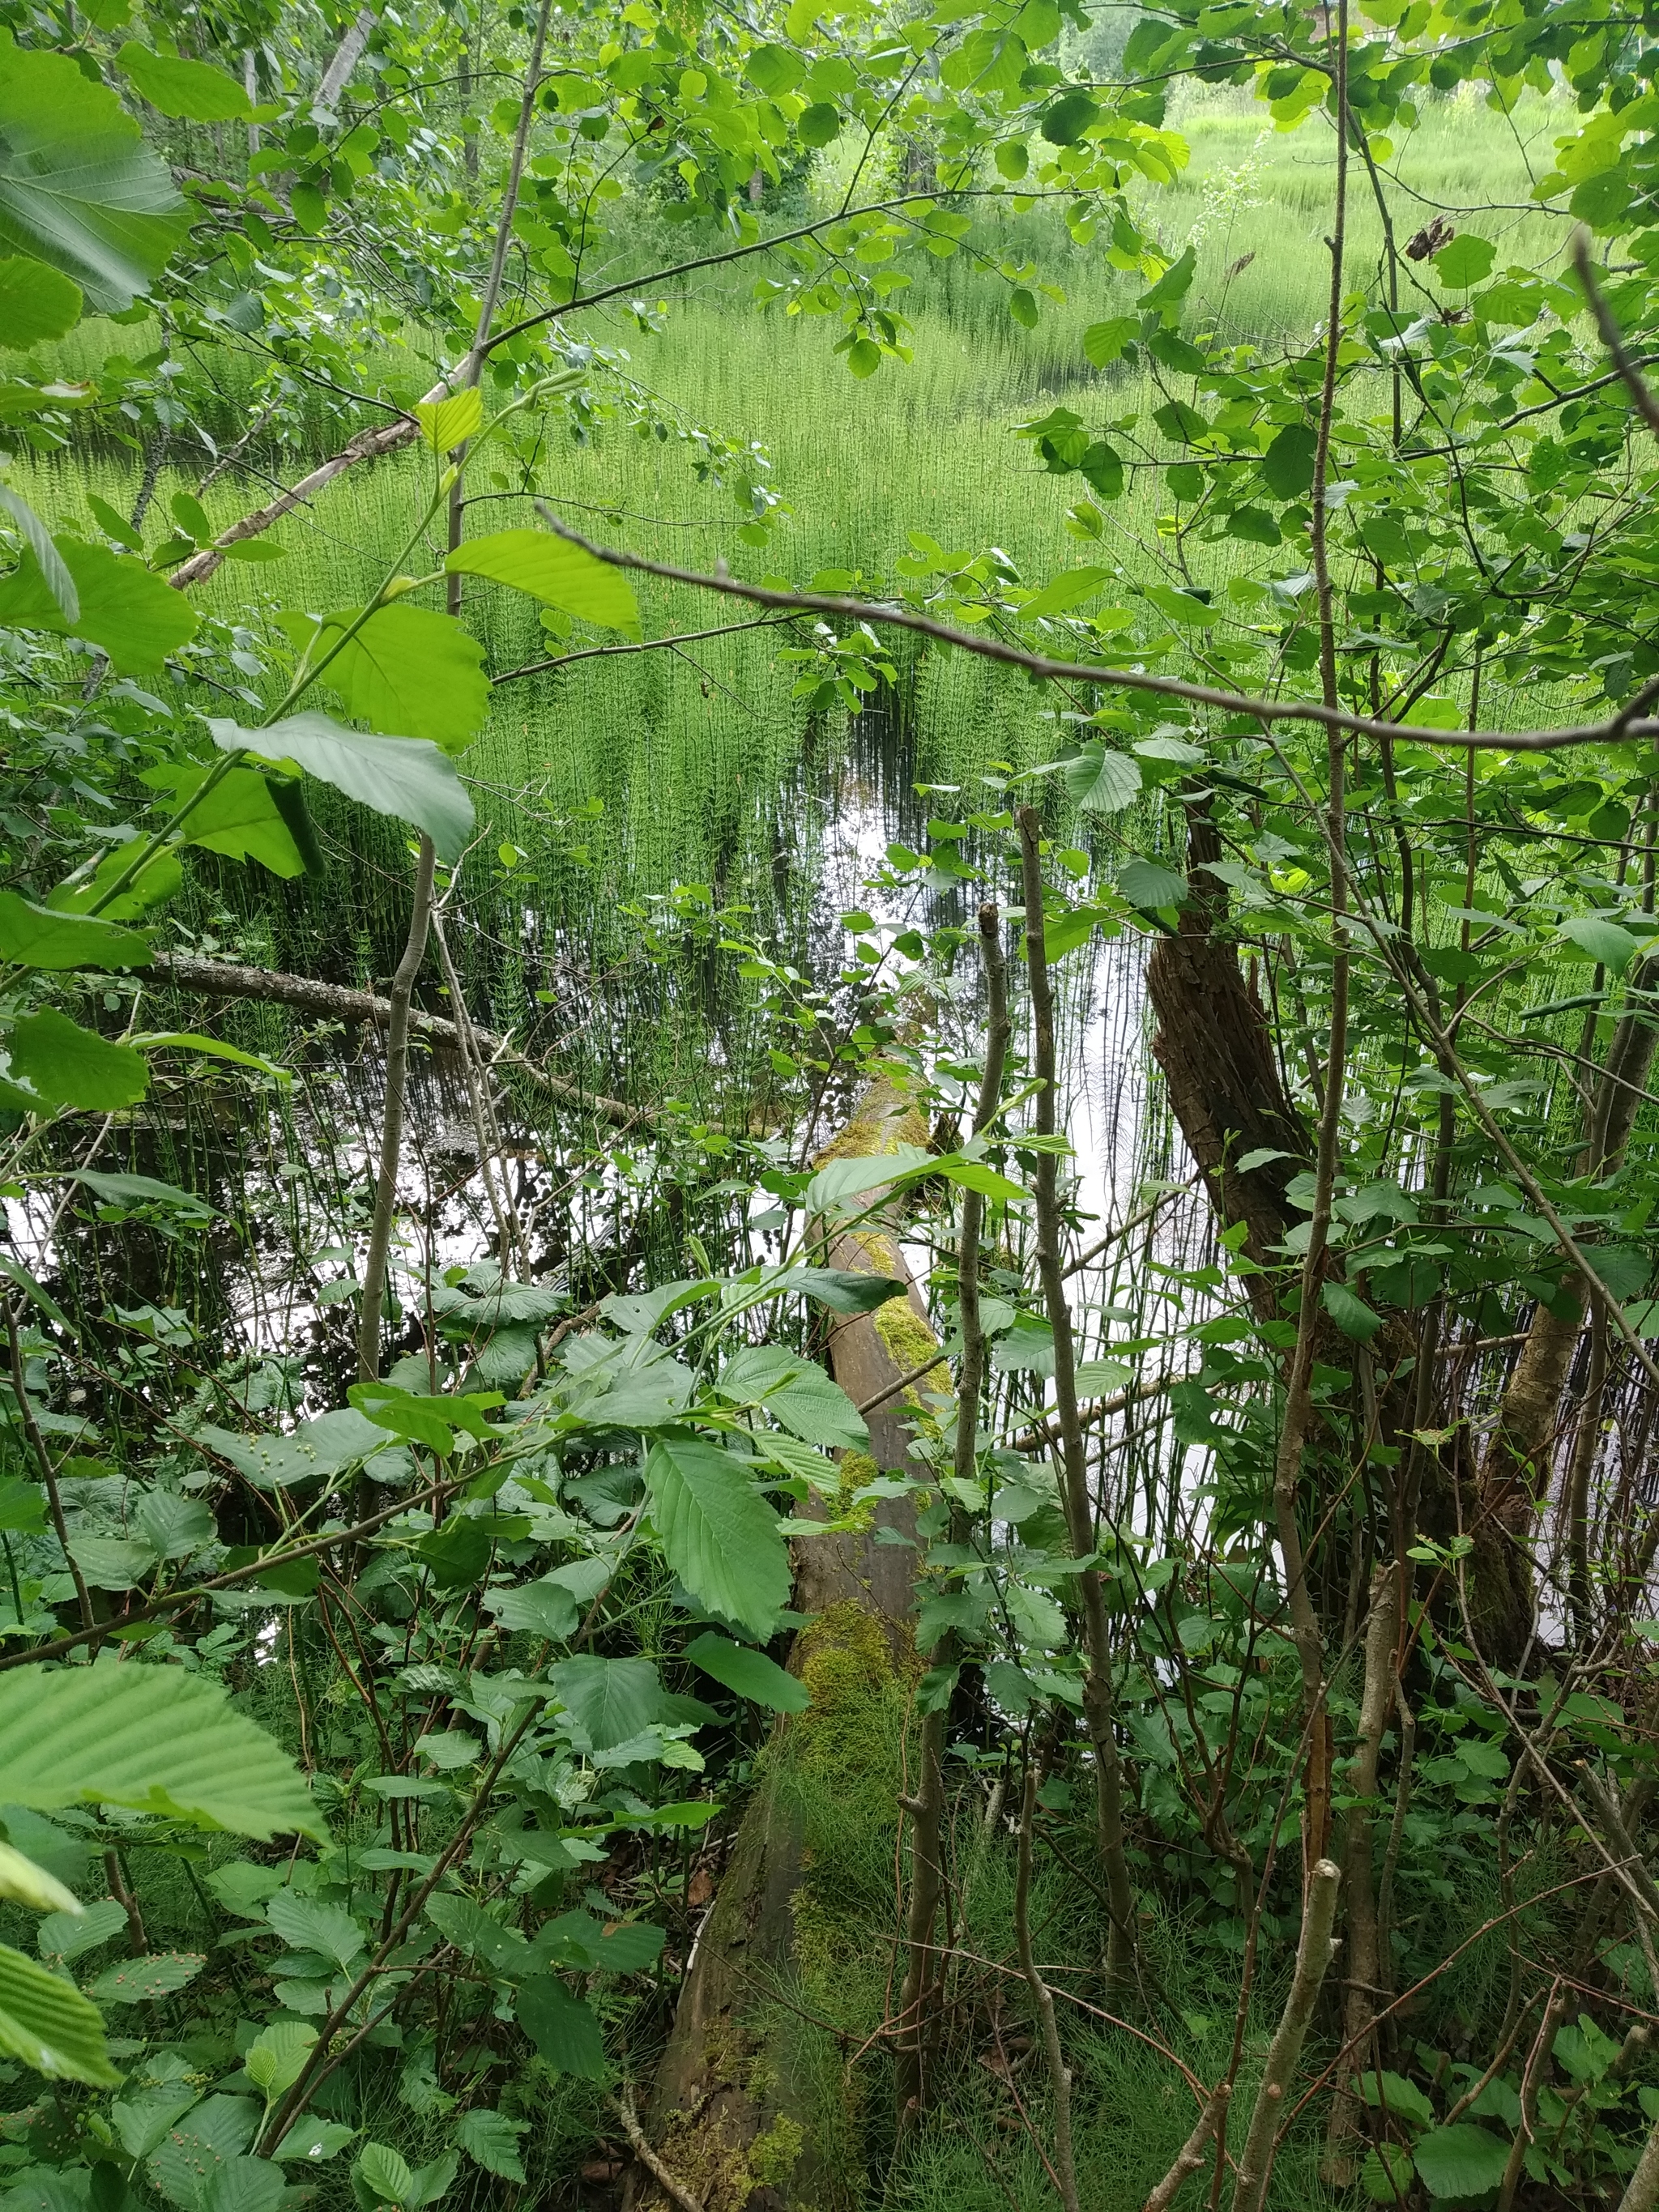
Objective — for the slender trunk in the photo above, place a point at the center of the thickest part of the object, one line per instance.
(918, 2007)
(391, 1126)
(1362, 1981)
(1191, 2154)
(1099, 1702)
(336, 77)
(1059, 2075)
(1313, 1956)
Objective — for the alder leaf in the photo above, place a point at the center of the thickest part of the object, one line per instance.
(408, 778)
(555, 572)
(718, 1534)
(50, 2026)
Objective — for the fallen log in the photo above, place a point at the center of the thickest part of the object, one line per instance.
(225, 978)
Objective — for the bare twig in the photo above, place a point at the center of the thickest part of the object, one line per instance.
(1313, 1955)
(622, 2105)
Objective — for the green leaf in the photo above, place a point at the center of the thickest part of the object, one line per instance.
(819, 124)
(136, 617)
(244, 2185)
(410, 671)
(717, 1533)
(977, 1174)
(562, 2028)
(56, 577)
(797, 1393)
(322, 1446)
(1182, 606)
(1061, 593)
(1287, 466)
(1022, 307)
(1351, 1314)
(1065, 123)
(1173, 285)
(749, 1674)
(49, 2025)
(193, 92)
(450, 422)
(406, 777)
(151, 1738)
(31, 1885)
(240, 818)
(79, 189)
(22, 1507)
(40, 936)
(113, 1563)
(215, 1048)
(305, 1925)
(1462, 2161)
(1604, 942)
(1147, 885)
(141, 1981)
(543, 1608)
(1102, 343)
(845, 1186)
(1465, 261)
(277, 2058)
(775, 70)
(555, 572)
(610, 1701)
(1101, 780)
(64, 1065)
(838, 1290)
(63, 1936)
(491, 2140)
(313, 2140)
(36, 303)
(210, 2135)
(385, 2173)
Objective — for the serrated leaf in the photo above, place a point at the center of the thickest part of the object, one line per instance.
(277, 2058)
(491, 2140)
(717, 1533)
(212, 2134)
(317, 1448)
(38, 539)
(313, 2140)
(564, 2029)
(1461, 2160)
(408, 778)
(49, 2025)
(1287, 466)
(839, 1290)
(411, 670)
(194, 91)
(1063, 593)
(305, 1925)
(1145, 885)
(846, 1186)
(542, 1608)
(141, 1190)
(1465, 261)
(748, 1673)
(151, 1738)
(79, 189)
(141, 1981)
(65, 1935)
(134, 616)
(40, 936)
(36, 303)
(63, 1064)
(450, 422)
(1604, 942)
(554, 571)
(386, 2173)
(244, 2185)
(1101, 780)
(242, 817)
(1351, 1314)
(113, 1563)
(610, 1701)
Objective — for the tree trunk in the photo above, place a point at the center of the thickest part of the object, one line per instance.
(1216, 1050)
(753, 2109)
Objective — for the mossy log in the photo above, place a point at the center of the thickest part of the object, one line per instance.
(756, 2107)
